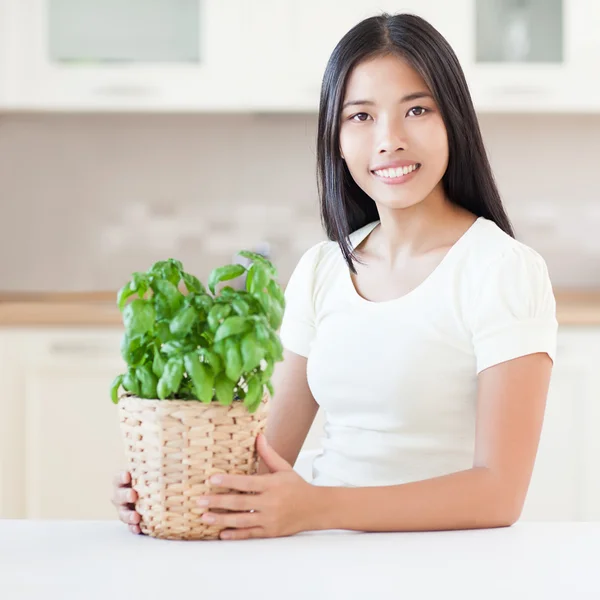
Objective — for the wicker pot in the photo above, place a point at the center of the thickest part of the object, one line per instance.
(173, 447)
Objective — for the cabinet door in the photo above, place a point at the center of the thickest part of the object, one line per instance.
(12, 426)
(590, 503)
(93, 55)
(73, 441)
(563, 487)
(533, 56)
(298, 40)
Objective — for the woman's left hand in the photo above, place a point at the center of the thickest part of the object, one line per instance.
(282, 502)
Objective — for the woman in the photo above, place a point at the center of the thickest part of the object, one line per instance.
(422, 327)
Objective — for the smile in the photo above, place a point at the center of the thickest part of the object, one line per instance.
(398, 175)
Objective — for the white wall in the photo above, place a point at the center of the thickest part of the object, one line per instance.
(87, 199)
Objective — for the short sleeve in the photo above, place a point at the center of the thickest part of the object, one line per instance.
(298, 325)
(514, 312)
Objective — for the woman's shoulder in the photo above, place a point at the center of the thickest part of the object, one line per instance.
(498, 266)
(492, 245)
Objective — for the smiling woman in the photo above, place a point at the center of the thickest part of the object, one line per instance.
(424, 330)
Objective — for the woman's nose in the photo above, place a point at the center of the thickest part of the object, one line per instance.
(391, 137)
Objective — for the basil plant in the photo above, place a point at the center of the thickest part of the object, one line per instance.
(198, 344)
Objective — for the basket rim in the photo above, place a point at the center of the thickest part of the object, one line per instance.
(125, 396)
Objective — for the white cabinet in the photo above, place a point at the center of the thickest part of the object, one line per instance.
(73, 441)
(190, 55)
(552, 76)
(298, 38)
(61, 444)
(565, 484)
(534, 56)
(12, 422)
(270, 55)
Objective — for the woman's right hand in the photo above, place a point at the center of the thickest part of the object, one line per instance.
(124, 498)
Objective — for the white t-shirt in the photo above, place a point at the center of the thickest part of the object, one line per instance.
(397, 380)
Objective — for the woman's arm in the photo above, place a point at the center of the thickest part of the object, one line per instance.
(292, 410)
(510, 410)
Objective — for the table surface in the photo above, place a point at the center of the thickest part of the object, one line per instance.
(88, 560)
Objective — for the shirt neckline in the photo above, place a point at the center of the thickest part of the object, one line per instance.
(441, 266)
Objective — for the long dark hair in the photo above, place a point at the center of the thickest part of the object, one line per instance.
(468, 180)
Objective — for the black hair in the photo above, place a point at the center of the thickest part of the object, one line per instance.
(468, 181)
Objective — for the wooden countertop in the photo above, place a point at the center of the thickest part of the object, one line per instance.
(573, 307)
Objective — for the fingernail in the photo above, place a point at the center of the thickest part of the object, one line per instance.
(216, 479)
(203, 502)
(124, 478)
(131, 496)
(208, 518)
(132, 519)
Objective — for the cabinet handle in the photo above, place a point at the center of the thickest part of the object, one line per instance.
(124, 90)
(516, 90)
(78, 348)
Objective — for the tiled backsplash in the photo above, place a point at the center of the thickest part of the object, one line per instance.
(88, 199)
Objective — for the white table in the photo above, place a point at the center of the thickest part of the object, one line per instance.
(88, 560)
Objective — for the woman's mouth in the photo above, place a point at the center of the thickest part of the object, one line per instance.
(397, 175)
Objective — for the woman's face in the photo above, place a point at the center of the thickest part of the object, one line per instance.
(392, 136)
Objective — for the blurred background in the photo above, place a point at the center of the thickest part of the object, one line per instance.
(133, 131)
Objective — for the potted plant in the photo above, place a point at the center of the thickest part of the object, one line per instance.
(195, 392)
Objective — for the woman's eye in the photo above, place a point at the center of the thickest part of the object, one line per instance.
(424, 110)
(353, 117)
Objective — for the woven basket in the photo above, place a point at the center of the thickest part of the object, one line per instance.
(173, 447)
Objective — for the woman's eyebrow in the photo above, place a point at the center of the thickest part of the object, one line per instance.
(407, 98)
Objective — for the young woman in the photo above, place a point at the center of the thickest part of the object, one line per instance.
(424, 330)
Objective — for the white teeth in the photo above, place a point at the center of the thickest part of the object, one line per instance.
(396, 172)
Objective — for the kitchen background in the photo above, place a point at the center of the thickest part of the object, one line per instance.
(135, 131)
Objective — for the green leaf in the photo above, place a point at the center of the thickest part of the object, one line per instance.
(183, 321)
(193, 284)
(171, 376)
(275, 316)
(275, 347)
(148, 381)
(276, 293)
(204, 302)
(114, 388)
(158, 364)
(240, 307)
(252, 352)
(163, 332)
(217, 313)
(232, 326)
(225, 389)
(174, 298)
(170, 270)
(130, 382)
(124, 293)
(212, 358)
(133, 349)
(273, 310)
(163, 389)
(261, 329)
(259, 280)
(264, 262)
(140, 283)
(270, 388)
(138, 317)
(267, 373)
(201, 375)
(225, 273)
(254, 393)
(233, 360)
